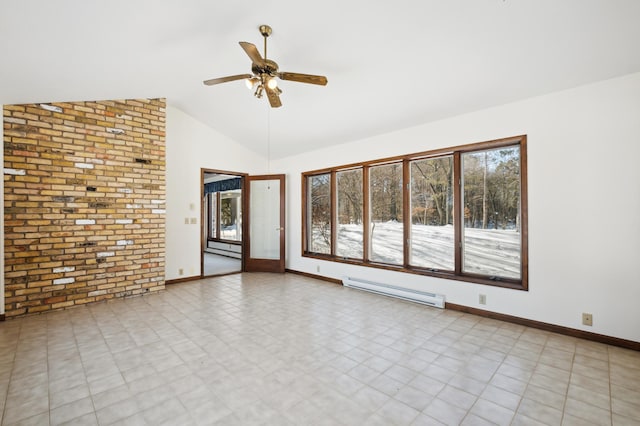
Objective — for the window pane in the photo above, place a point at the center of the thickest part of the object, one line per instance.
(432, 233)
(491, 200)
(213, 208)
(386, 213)
(264, 219)
(350, 230)
(319, 213)
(231, 215)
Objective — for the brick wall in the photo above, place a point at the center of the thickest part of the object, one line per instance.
(84, 192)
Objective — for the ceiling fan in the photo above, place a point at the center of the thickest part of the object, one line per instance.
(265, 73)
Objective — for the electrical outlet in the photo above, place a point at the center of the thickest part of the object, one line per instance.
(482, 299)
(186, 220)
(180, 271)
(587, 319)
(194, 220)
(317, 268)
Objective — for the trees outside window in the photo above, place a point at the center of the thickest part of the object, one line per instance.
(225, 215)
(455, 213)
(491, 199)
(385, 201)
(349, 214)
(432, 232)
(319, 213)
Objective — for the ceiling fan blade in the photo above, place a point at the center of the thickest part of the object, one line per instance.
(274, 97)
(304, 78)
(253, 53)
(225, 79)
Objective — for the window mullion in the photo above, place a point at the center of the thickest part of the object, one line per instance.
(217, 195)
(458, 208)
(366, 214)
(210, 231)
(406, 211)
(334, 213)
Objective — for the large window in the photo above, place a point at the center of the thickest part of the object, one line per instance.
(231, 215)
(456, 213)
(225, 215)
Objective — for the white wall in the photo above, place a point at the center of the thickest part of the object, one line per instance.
(584, 204)
(191, 146)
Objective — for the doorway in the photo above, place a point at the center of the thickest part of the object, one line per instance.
(222, 230)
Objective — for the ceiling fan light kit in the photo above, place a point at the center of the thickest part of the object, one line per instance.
(265, 73)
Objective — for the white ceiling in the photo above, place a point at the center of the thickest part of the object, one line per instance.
(389, 64)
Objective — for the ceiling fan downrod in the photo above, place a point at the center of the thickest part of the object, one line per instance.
(265, 30)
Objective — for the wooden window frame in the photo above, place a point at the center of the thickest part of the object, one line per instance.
(209, 213)
(457, 274)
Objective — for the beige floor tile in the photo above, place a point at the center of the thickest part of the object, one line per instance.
(67, 396)
(397, 413)
(71, 411)
(509, 384)
(288, 350)
(473, 420)
(522, 420)
(501, 397)
(467, 384)
(413, 397)
(111, 396)
(457, 397)
(493, 412)
(619, 420)
(590, 396)
(363, 373)
(386, 384)
(445, 412)
(540, 412)
(569, 420)
(37, 420)
(587, 412)
(427, 384)
(544, 396)
(370, 399)
(551, 383)
(626, 409)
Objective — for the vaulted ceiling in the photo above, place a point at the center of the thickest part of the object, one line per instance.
(390, 65)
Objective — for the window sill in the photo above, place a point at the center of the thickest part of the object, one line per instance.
(501, 282)
(218, 240)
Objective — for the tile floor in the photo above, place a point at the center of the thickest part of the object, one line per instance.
(284, 350)
(215, 264)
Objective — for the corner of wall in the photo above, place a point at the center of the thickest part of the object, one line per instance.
(2, 226)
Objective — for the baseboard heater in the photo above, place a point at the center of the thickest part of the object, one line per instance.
(431, 299)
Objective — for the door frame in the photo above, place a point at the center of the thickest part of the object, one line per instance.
(262, 265)
(204, 218)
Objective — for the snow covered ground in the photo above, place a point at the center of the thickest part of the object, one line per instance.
(493, 252)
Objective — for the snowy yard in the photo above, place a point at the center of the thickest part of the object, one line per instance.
(492, 252)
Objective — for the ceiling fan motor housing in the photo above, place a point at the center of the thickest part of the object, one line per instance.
(267, 67)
